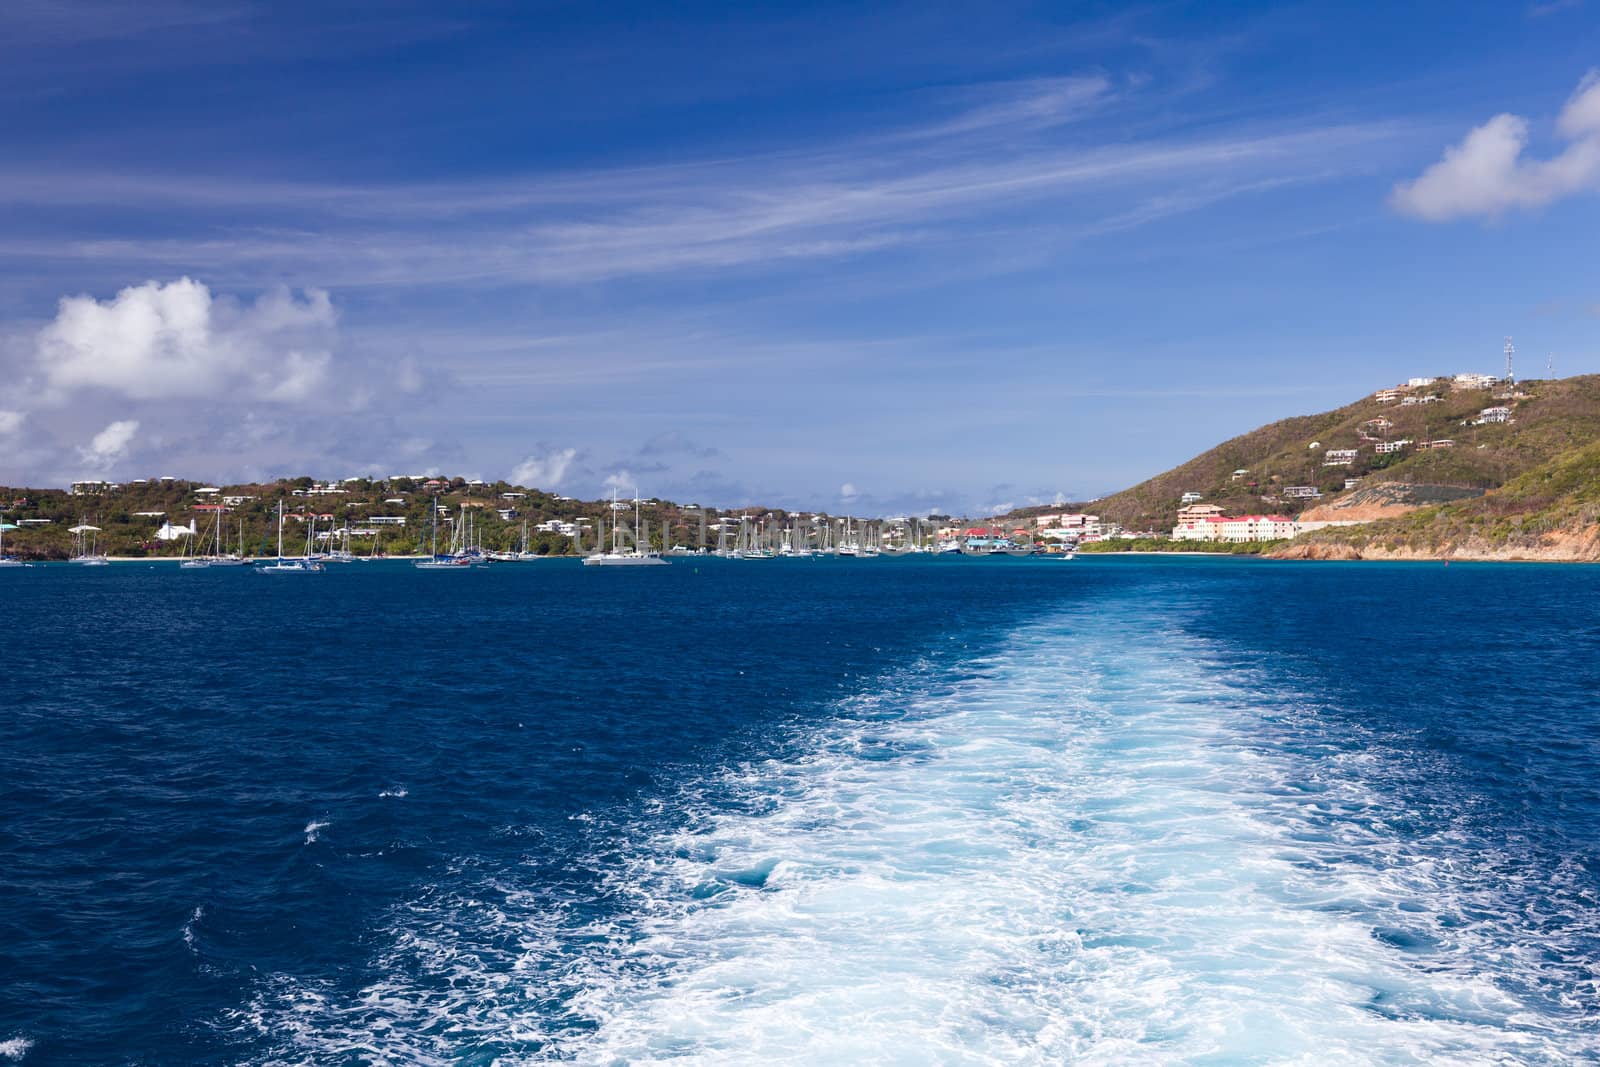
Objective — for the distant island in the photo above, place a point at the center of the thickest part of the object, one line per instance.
(1463, 466)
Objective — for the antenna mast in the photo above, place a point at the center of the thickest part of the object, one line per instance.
(1511, 350)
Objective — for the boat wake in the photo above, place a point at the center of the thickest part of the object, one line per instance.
(1099, 842)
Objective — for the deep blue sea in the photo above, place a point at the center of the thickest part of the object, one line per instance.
(1158, 810)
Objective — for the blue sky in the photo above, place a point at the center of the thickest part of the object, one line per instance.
(883, 257)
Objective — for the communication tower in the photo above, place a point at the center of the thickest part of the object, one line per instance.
(1511, 350)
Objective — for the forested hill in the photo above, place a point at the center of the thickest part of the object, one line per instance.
(1393, 442)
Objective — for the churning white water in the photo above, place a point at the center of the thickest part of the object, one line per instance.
(1095, 844)
(1085, 847)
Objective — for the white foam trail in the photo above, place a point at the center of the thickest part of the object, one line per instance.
(314, 830)
(398, 792)
(188, 927)
(1094, 845)
(14, 1048)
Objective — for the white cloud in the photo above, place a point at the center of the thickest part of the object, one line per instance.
(1487, 174)
(11, 422)
(544, 470)
(620, 481)
(848, 492)
(175, 340)
(110, 444)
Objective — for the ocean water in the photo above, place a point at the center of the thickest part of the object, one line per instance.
(897, 811)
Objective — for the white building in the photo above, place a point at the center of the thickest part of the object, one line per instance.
(1386, 396)
(1191, 497)
(386, 520)
(1443, 442)
(1236, 530)
(1302, 492)
(1475, 381)
(1418, 383)
(1340, 457)
(1496, 414)
(169, 532)
(1068, 521)
(1385, 448)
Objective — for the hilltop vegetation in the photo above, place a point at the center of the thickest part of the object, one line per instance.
(1550, 421)
(1549, 512)
(130, 514)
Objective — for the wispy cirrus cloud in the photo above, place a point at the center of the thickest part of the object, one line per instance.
(902, 189)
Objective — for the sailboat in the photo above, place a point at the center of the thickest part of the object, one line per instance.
(618, 556)
(5, 560)
(518, 555)
(234, 559)
(341, 554)
(85, 547)
(283, 565)
(196, 561)
(436, 562)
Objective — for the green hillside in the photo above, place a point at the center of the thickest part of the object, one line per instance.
(1549, 420)
(1549, 512)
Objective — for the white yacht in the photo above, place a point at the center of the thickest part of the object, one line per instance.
(86, 545)
(283, 565)
(435, 562)
(619, 556)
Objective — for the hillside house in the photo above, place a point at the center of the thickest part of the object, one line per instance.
(1475, 381)
(1385, 448)
(1068, 521)
(1196, 512)
(1495, 414)
(1191, 497)
(1443, 442)
(1413, 401)
(1302, 492)
(1419, 383)
(1339, 457)
(1240, 473)
(1386, 396)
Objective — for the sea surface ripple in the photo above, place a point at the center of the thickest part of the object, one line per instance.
(895, 811)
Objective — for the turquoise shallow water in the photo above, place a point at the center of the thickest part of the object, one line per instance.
(1113, 810)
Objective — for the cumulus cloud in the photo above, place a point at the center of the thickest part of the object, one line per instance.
(620, 481)
(110, 444)
(11, 422)
(176, 339)
(544, 469)
(1487, 173)
(848, 492)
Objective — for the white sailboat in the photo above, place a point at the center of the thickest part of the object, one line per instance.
(5, 560)
(436, 562)
(620, 557)
(196, 561)
(283, 565)
(235, 559)
(518, 555)
(86, 544)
